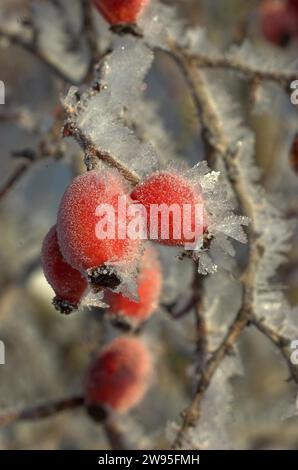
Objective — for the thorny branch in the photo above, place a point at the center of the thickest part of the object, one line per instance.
(282, 344)
(30, 45)
(93, 155)
(28, 40)
(217, 144)
(49, 146)
(91, 37)
(283, 78)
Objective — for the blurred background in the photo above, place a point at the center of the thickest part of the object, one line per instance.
(46, 353)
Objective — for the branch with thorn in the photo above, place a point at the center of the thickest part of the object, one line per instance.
(217, 144)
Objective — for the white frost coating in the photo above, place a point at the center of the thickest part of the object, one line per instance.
(159, 23)
(270, 60)
(212, 430)
(223, 224)
(150, 126)
(274, 231)
(92, 299)
(222, 301)
(161, 26)
(59, 37)
(102, 116)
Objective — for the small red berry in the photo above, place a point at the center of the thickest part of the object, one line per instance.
(149, 285)
(294, 154)
(293, 4)
(119, 377)
(120, 11)
(66, 132)
(172, 191)
(68, 283)
(78, 220)
(278, 24)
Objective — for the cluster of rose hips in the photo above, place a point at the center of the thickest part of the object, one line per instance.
(74, 260)
(279, 21)
(74, 257)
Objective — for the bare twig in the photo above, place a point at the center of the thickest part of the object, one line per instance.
(202, 340)
(282, 344)
(192, 413)
(93, 154)
(91, 37)
(118, 436)
(14, 178)
(30, 45)
(44, 410)
(218, 145)
(49, 146)
(283, 78)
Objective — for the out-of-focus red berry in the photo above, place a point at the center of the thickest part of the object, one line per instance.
(149, 285)
(278, 23)
(294, 155)
(294, 4)
(68, 283)
(171, 189)
(120, 11)
(78, 218)
(119, 377)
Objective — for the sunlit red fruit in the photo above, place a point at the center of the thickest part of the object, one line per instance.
(168, 189)
(120, 11)
(77, 221)
(68, 283)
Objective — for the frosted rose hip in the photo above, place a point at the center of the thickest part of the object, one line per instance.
(68, 283)
(77, 221)
(149, 285)
(119, 377)
(172, 189)
(120, 11)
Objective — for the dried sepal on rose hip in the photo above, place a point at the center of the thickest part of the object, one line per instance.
(120, 11)
(78, 218)
(118, 378)
(129, 313)
(68, 283)
(174, 193)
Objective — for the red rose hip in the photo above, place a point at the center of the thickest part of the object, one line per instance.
(78, 218)
(68, 283)
(149, 284)
(120, 11)
(294, 4)
(181, 217)
(278, 24)
(118, 378)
